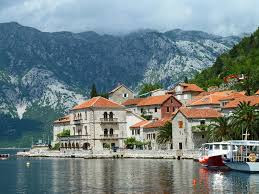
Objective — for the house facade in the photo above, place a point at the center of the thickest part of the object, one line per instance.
(95, 124)
(185, 92)
(157, 107)
(120, 94)
(188, 127)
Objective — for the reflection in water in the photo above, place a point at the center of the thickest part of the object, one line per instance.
(119, 175)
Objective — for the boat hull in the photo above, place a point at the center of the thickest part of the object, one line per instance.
(244, 166)
(212, 161)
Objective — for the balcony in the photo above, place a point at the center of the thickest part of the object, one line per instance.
(109, 136)
(75, 138)
(109, 120)
(77, 121)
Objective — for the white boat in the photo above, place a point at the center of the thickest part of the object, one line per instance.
(243, 156)
(213, 154)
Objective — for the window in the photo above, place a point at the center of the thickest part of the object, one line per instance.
(216, 147)
(202, 122)
(211, 147)
(105, 132)
(111, 116)
(168, 109)
(155, 109)
(74, 129)
(202, 136)
(138, 131)
(180, 124)
(105, 115)
(85, 115)
(224, 147)
(142, 110)
(154, 136)
(172, 100)
(173, 109)
(111, 131)
(132, 132)
(125, 95)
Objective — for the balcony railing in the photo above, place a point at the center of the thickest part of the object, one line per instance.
(109, 120)
(74, 138)
(109, 136)
(77, 121)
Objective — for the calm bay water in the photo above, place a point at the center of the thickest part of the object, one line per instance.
(47, 175)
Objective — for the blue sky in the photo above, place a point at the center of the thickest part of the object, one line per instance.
(223, 17)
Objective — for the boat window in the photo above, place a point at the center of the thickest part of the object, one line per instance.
(224, 147)
(216, 147)
(233, 147)
(211, 147)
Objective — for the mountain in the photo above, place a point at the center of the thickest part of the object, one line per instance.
(44, 74)
(243, 58)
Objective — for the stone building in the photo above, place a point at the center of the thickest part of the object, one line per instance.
(157, 92)
(59, 126)
(120, 94)
(95, 124)
(131, 104)
(189, 127)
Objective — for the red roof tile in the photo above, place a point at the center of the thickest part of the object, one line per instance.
(65, 119)
(233, 96)
(154, 100)
(212, 98)
(98, 102)
(133, 101)
(157, 123)
(194, 113)
(254, 100)
(191, 87)
(139, 124)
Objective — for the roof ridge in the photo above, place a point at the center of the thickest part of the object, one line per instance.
(97, 98)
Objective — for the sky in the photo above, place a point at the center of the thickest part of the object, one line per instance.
(222, 17)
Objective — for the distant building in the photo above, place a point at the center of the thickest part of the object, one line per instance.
(213, 100)
(157, 92)
(95, 124)
(188, 126)
(131, 104)
(230, 107)
(157, 107)
(120, 94)
(257, 93)
(184, 92)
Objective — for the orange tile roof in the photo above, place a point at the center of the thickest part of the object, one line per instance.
(98, 102)
(157, 123)
(133, 101)
(139, 124)
(194, 113)
(154, 100)
(191, 87)
(233, 96)
(65, 119)
(211, 98)
(254, 100)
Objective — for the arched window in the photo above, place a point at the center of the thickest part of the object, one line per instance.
(105, 132)
(66, 145)
(111, 116)
(105, 115)
(73, 145)
(77, 145)
(111, 131)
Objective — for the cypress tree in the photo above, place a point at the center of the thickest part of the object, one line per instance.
(93, 91)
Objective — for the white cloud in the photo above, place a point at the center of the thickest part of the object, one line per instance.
(224, 17)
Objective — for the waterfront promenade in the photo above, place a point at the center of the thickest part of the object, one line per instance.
(125, 153)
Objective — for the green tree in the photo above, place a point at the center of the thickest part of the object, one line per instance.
(245, 120)
(65, 133)
(186, 80)
(165, 133)
(147, 87)
(93, 91)
(220, 129)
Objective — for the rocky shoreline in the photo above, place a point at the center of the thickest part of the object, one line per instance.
(88, 154)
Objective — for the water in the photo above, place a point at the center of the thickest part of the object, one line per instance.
(47, 175)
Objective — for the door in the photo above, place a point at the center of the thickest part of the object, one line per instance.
(180, 146)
